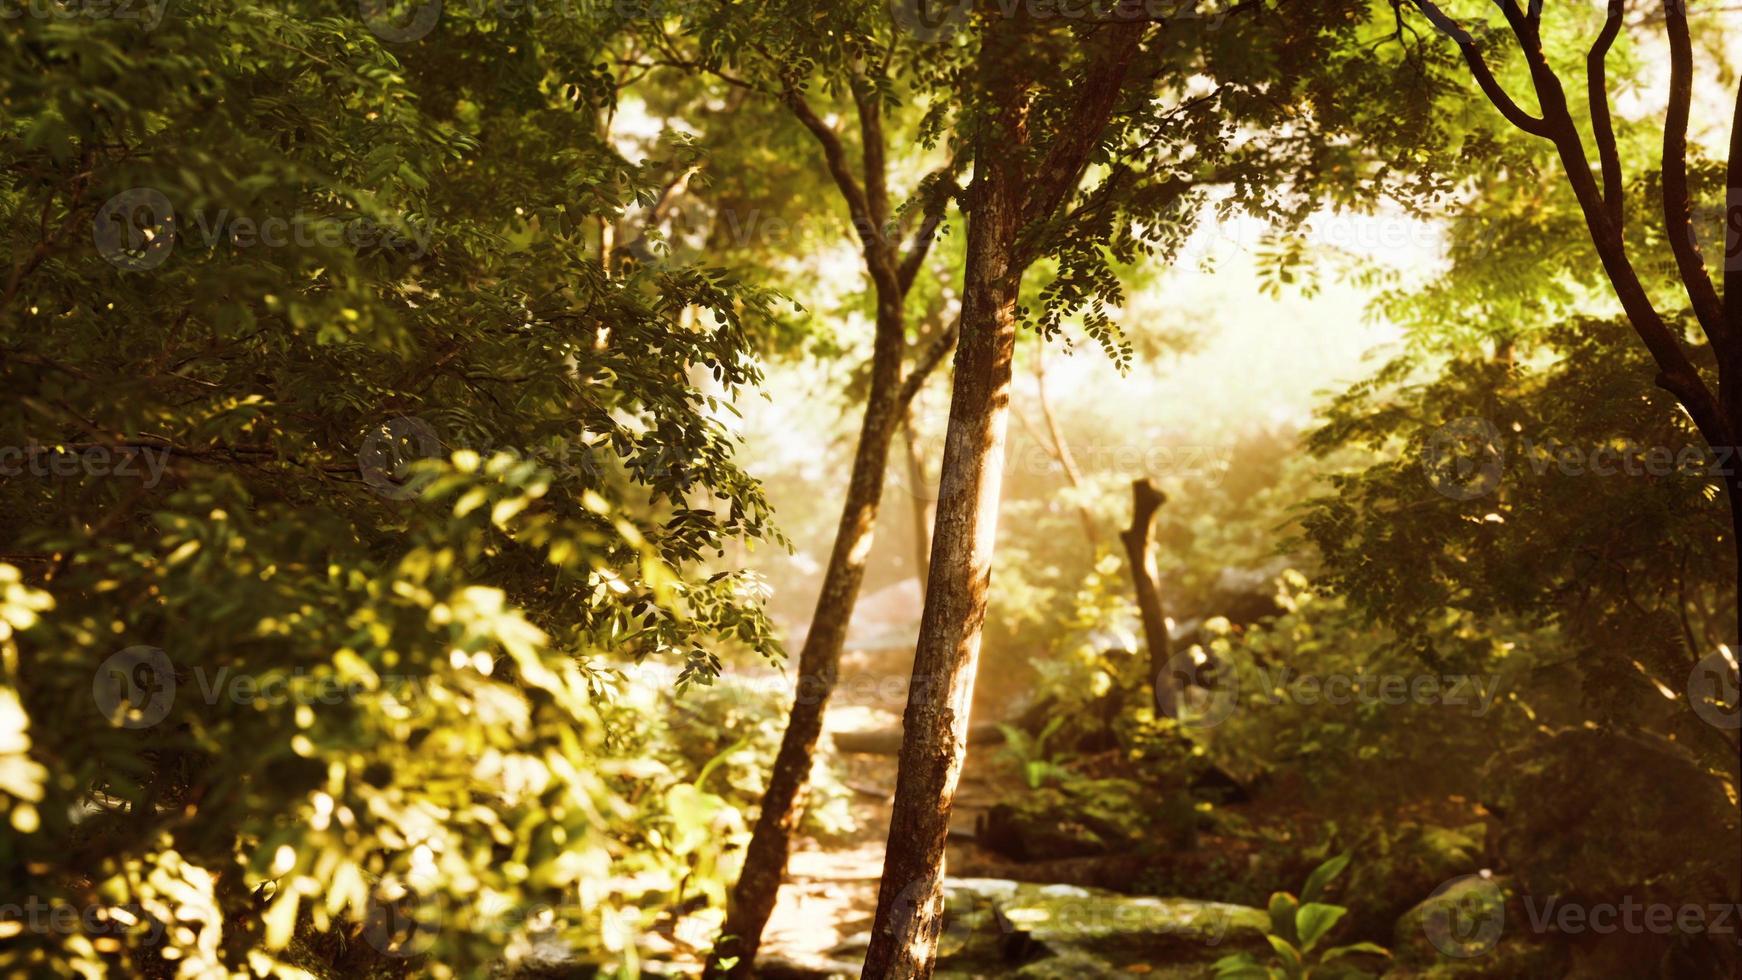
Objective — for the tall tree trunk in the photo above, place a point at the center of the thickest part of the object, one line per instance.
(1146, 499)
(1005, 197)
(891, 272)
(916, 483)
(935, 724)
(819, 662)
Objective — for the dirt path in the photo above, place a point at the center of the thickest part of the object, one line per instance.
(825, 908)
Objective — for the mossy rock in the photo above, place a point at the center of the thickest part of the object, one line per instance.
(1005, 928)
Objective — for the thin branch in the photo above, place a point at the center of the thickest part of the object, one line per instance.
(872, 157)
(1479, 70)
(928, 361)
(939, 189)
(1596, 73)
(1061, 170)
(835, 157)
(1677, 212)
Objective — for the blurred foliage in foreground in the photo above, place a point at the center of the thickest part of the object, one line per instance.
(343, 471)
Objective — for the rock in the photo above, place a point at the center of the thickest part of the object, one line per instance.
(1463, 919)
(995, 927)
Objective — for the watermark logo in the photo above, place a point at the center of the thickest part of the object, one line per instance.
(148, 13)
(135, 229)
(389, 448)
(1715, 692)
(1199, 701)
(1465, 916)
(930, 21)
(144, 463)
(400, 21)
(135, 687)
(1464, 459)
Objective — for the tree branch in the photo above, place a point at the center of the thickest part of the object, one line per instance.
(872, 155)
(928, 362)
(938, 188)
(834, 155)
(1061, 170)
(1596, 75)
(1479, 70)
(1677, 212)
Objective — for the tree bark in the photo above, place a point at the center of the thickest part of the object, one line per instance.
(935, 725)
(1146, 499)
(891, 274)
(1002, 200)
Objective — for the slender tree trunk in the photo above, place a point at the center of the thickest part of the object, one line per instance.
(1146, 499)
(819, 662)
(916, 482)
(935, 724)
(1061, 450)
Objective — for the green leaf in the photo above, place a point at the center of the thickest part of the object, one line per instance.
(1322, 876)
(1282, 909)
(1353, 949)
(1292, 964)
(1240, 966)
(1314, 920)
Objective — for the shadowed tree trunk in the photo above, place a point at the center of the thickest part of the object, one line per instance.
(892, 274)
(1004, 198)
(1146, 499)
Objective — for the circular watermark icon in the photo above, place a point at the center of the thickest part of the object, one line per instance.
(391, 447)
(404, 916)
(1465, 916)
(1202, 698)
(135, 229)
(400, 21)
(930, 21)
(135, 687)
(1715, 691)
(1464, 459)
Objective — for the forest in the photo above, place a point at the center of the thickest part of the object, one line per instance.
(530, 489)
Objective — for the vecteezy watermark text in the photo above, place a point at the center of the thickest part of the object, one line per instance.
(1468, 458)
(143, 463)
(138, 229)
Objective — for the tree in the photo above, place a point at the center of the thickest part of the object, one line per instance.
(1146, 499)
(755, 51)
(338, 464)
(1148, 108)
(1602, 201)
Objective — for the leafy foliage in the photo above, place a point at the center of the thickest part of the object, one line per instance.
(409, 469)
